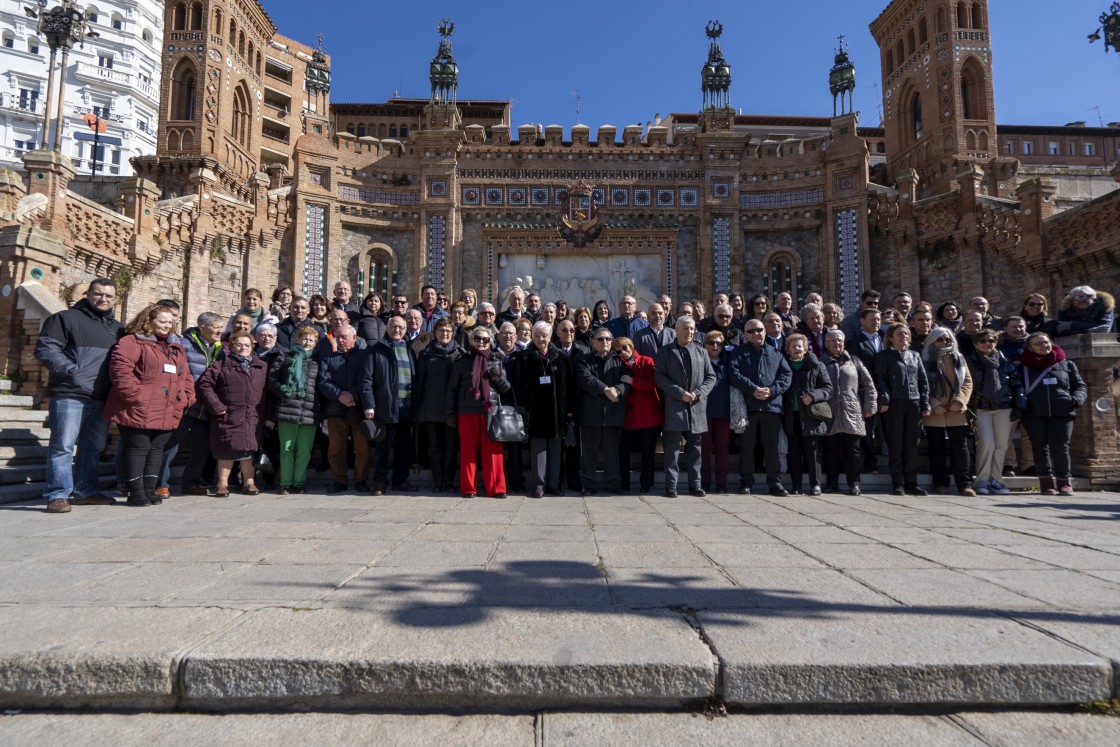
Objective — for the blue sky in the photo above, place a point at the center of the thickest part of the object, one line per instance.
(630, 61)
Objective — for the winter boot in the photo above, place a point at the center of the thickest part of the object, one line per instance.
(1046, 485)
(1065, 486)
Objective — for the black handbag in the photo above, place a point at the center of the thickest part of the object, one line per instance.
(506, 424)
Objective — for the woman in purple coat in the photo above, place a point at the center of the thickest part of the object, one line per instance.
(233, 391)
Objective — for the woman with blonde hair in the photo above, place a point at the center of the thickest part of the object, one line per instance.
(950, 391)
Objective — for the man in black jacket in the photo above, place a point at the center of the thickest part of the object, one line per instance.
(340, 384)
(74, 347)
(387, 395)
(603, 382)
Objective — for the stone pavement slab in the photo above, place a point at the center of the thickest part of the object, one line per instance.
(886, 656)
(450, 657)
(525, 604)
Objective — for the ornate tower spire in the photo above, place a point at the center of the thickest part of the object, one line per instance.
(318, 78)
(444, 71)
(842, 80)
(715, 78)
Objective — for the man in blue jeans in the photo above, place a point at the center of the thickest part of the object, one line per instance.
(74, 347)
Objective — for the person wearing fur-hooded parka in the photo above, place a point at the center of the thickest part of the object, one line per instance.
(1085, 310)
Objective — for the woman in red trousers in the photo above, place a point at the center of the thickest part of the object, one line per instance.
(475, 381)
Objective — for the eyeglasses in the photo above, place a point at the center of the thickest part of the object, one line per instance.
(714, 343)
(442, 299)
(754, 331)
(943, 340)
(869, 302)
(760, 303)
(483, 340)
(1035, 303)
(723, 316)
(1081, 297)
(603, 339)
(400, 301)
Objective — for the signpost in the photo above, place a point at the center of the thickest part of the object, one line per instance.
(97, 124)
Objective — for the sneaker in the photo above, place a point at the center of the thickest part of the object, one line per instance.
(338, 487)
(981, 488)
(915, 490)
(1008, 471)
(969, 491)
(58, 506)
(998, 488)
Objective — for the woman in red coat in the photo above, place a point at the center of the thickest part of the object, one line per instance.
(233, 391)
(152, 386)
(644, 415)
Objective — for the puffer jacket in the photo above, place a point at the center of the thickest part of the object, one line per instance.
(853, 393)
(940, 394)
(371, 328)
(151, 384)
(811, 379)
(1097, 318)
(239, 395)
(1008, 381)
(433, 371)
(1059, 399)
(900, 375)
(74, 347)
(301, 409)
(754, 368)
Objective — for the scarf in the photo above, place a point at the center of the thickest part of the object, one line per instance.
(241, 360)
(989, 391)
(162, 341)
(295, 382)
(1031, 359)
(448, 348)
(480, 384)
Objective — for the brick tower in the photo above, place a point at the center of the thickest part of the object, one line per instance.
(938, 104)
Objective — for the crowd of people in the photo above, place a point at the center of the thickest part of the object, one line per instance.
(372, 391)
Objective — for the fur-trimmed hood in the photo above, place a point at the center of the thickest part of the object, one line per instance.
(1103, 302)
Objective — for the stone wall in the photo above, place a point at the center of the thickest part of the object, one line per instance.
(1095, 447)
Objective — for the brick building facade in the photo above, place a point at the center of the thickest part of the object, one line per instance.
(258, 180)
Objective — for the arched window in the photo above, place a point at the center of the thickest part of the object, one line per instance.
(146, 36)
(180, 21)
(260, 63)
(241, 118)
(379, 266)
(241, 44)
(940, 20)
(252, 54)
(117, 22)
(392, 130)
(923, 31)
(983, 141)
(183, 91)
(232, 31)
(381, 130)
(916, 114)
(361, 130)
(977, 21)
(196, 16)
(780, 274)
(890, 62)
(911, 45)
(350, 128)
(962, 16)
(32, 45)
(970, 140)
(403, 131)
(973, 90)
(900, 52)
(218, 21)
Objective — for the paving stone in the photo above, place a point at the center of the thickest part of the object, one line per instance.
(818, 730)
(577, 552)
(698, 588)
(330, 551)
(451, 657)
(889, 657)
(936, 587)
(906, 535)
(624, 518)
(616, 533)
(395, 588)
(149, 582)
(125, 549)
(863, 556)
(650, 554)
(992, 537)
(729, 532)
(446, 554)
(805, 587)
(474, 518)
(818, 535)
(454, 532)
(1060, 588)
(1078, 558)
(47, 549)
(966, 556)
(188, 730)
(757, 556)
(294, 529)
(538, 584)
(358, 530)
(30, 583)
(235, 549)
(1043, 729)
(283, 584)
(548, 533)
(111, 657)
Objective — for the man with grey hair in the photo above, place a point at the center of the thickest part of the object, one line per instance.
(685, 376)
(722, 321)
(627, 323)
(656, 335)
(484, 317)
(980, 305)
(203, 346)
(340, 385)
(516, 308)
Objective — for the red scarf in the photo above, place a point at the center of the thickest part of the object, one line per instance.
(480, 383)
(1031, 359)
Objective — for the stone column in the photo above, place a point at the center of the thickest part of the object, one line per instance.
(1095, 446)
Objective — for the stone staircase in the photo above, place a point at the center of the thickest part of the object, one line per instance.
(24, 437)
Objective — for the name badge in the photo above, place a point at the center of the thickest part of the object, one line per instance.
(170, 368)
(1050, 381)
(546, 380)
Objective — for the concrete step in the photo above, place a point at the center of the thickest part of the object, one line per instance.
(7, 385)
(23, 454)
(24, 433)
(30, 491)
(31, 473)
(21, 415)
(16, 400)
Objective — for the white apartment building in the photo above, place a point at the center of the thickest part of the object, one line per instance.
(115, 75)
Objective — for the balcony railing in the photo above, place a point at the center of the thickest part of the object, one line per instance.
(97, 72)
(15, 103)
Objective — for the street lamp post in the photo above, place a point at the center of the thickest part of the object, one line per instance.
(1110, 25)
(62, 26)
